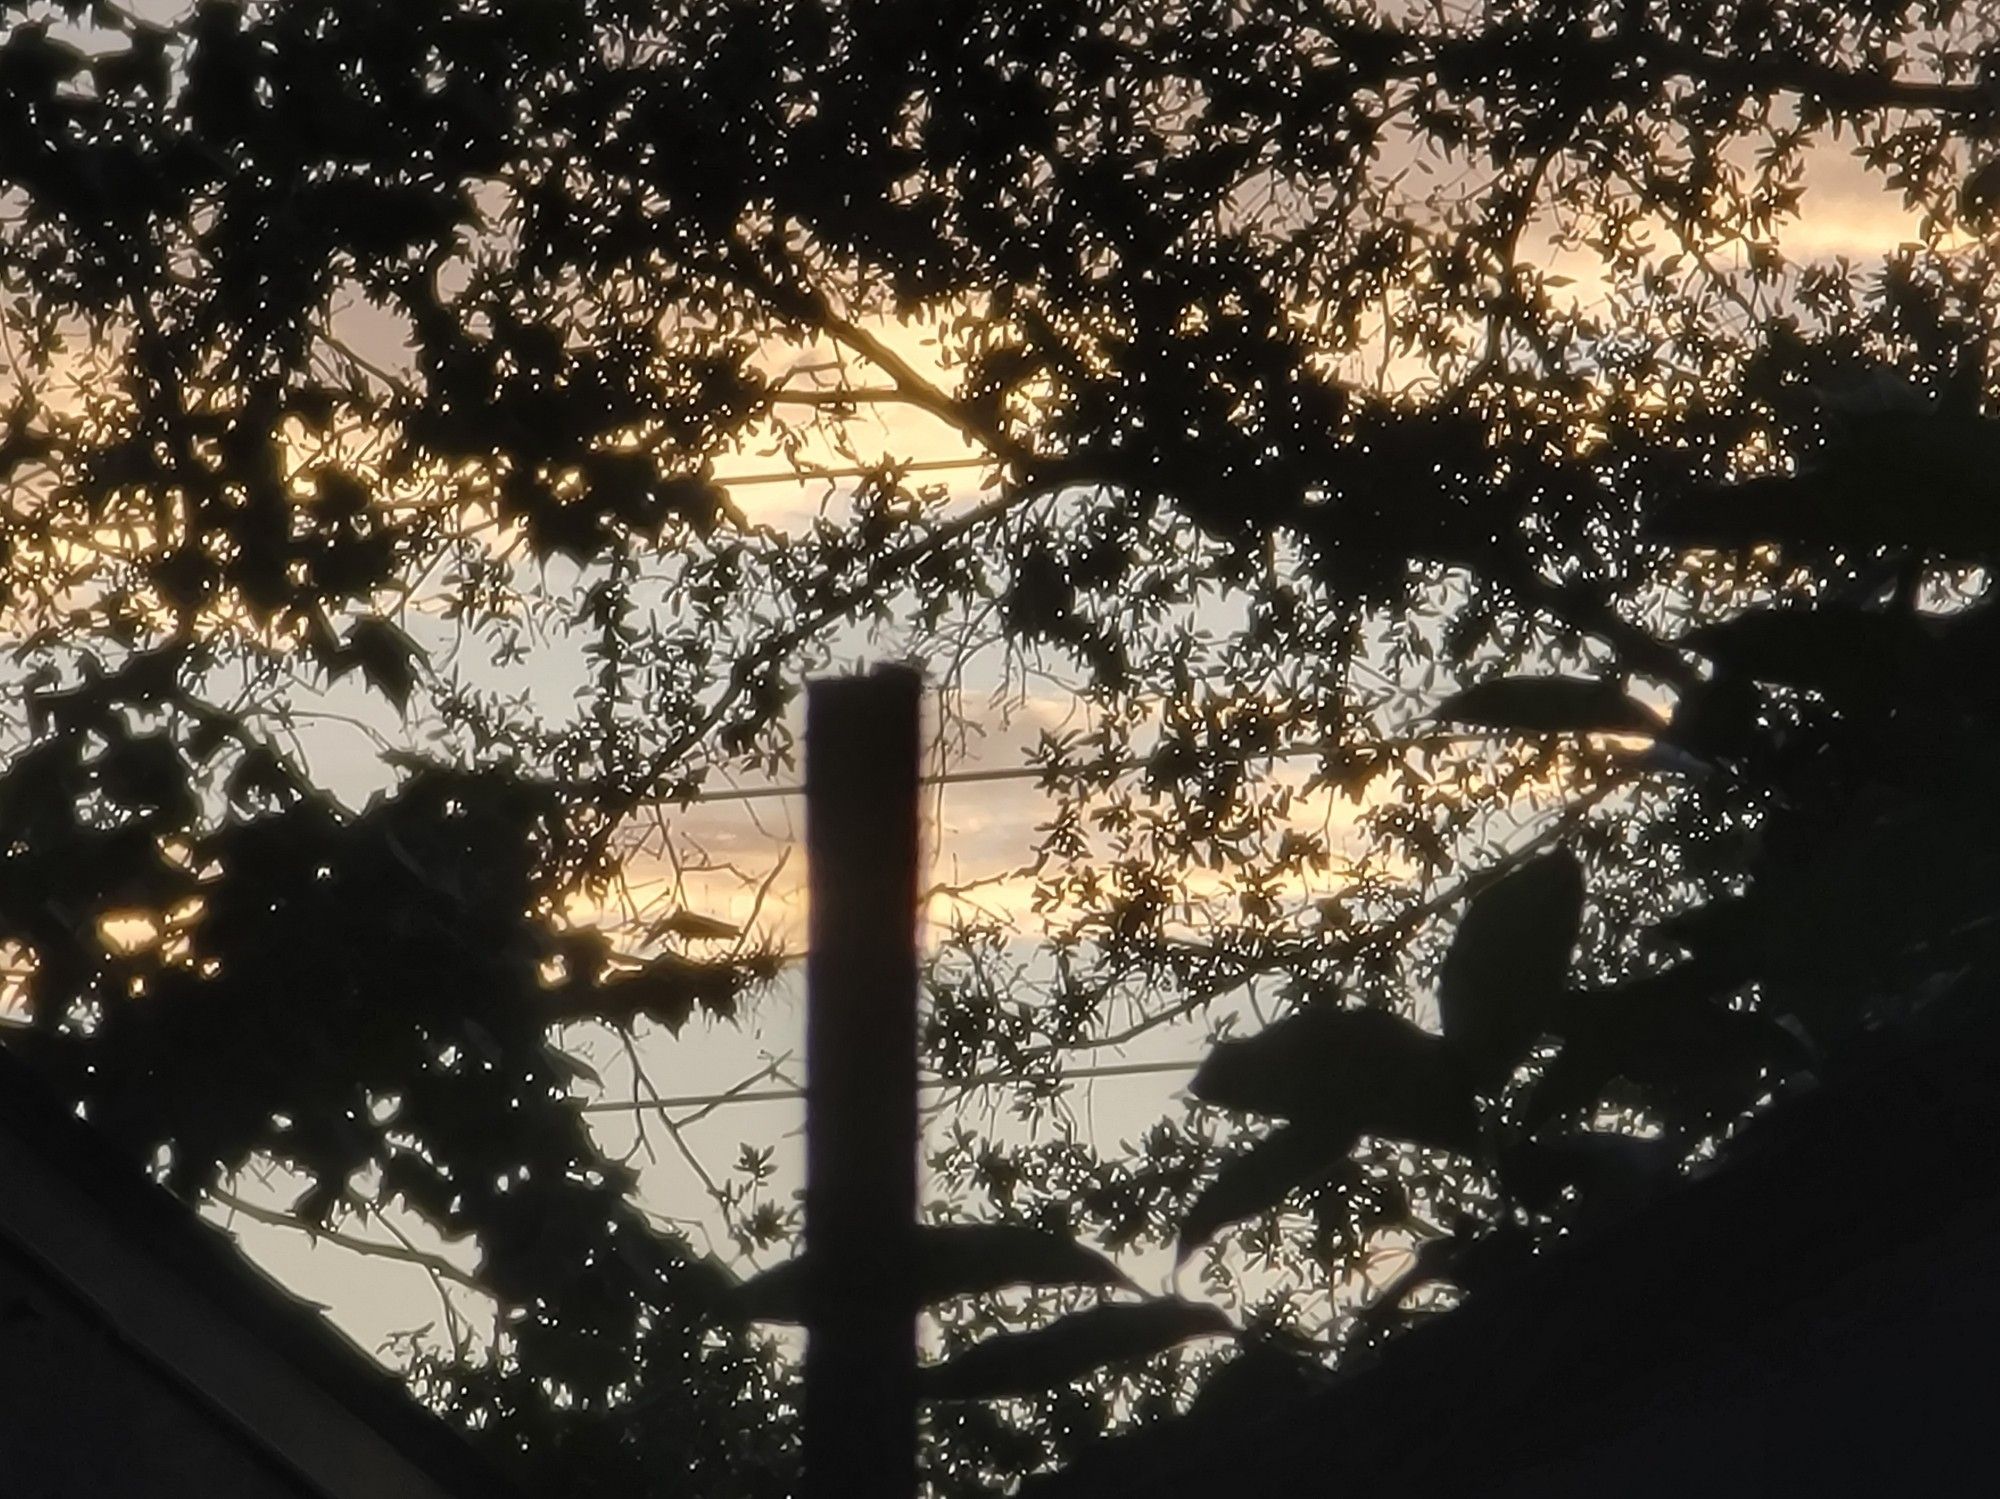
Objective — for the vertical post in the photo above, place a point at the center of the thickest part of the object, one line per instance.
(862, 753)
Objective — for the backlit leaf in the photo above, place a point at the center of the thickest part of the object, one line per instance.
(386, 655)
(1549, 705)
(1508, 960)
(953, 1259)
(1365, 1070)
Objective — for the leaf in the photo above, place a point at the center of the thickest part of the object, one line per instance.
(969, 1259)
(1723, 931)
(1834, 650)
(694, 926)
(1434, 1259)
(1028, 1363)
(1669, 1035)
(1293, 1156)
(1718, 720)
(1549, 705)
(1672, 1044)
(952, 1259)
(774, 1295)
(1607, 1169)
(1572, 1081)
(1479, 1259)
(1729, 517)
(572, 1069)
(1979, 195)
(1507, 962)
(386, 655)
(146, 772)
(1584, 1012)
(258, 773)
(666, 989)
(1891, 478)
(1364, 1070)
(1254, 1385)
(338, 495)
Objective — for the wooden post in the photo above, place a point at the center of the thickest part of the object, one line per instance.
(862, 751)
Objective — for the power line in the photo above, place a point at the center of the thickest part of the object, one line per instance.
(853, 471)
(1114, 767)
(929, 1085)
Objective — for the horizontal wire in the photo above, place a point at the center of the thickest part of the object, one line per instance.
(927, 1085)
(1114, 767)
(852, 471)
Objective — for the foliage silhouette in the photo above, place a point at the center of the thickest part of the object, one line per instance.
(1027, 1363)
(1323, 366)
(953, 1259)
(1260, 1178)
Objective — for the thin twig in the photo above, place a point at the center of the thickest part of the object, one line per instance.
(709, 1102)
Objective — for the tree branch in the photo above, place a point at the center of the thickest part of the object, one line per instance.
(436, 1265)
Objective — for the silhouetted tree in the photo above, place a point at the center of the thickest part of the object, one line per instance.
(1325, 367)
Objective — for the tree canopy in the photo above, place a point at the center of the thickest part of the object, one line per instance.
(1426, 398)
